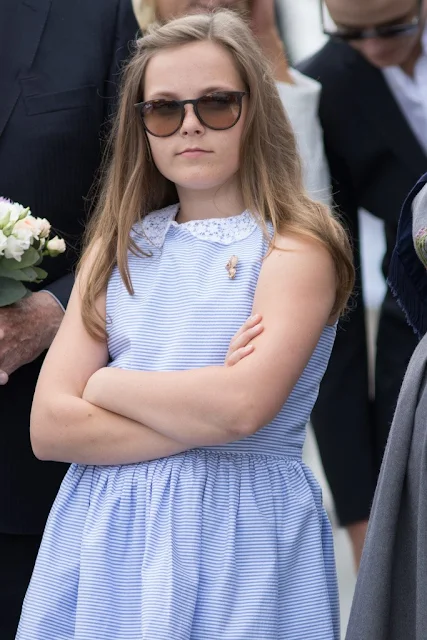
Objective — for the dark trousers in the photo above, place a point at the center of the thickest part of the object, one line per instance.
(352, 457)
(17, 557)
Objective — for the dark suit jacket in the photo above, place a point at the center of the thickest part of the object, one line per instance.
(375, 159)
(59, 67)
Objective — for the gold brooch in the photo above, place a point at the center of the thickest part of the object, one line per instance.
(231, 266)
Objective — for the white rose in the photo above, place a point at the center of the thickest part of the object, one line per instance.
(18, 212)
(28, 225)
(3, 243)
(15, 247)
(24, 235)
(44, 227)
(55, 246)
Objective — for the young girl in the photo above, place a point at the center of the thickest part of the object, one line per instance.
(188, 514)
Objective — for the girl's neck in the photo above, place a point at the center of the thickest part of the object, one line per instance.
(202, 204)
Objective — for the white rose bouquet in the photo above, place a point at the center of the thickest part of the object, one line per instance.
(24, 241)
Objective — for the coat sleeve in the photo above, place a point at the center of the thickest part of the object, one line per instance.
(125, 33)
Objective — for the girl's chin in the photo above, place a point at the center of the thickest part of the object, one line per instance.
(199, 182)
(198, 185)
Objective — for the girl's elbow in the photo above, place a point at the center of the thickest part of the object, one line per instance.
(253, 416)
(41, 432)
(244, 422)
(39, 441)
(39, 448)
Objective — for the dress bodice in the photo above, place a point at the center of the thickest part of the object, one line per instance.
(185, 310)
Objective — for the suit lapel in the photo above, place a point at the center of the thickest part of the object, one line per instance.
(22, 31)
(379, 105)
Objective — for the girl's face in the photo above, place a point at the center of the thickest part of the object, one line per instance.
(195, 157)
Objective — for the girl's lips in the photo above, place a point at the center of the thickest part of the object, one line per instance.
(193, 153)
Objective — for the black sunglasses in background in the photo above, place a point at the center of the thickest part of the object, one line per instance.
(391, 30)
(219, 110)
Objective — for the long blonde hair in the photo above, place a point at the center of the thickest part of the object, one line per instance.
(270, 168)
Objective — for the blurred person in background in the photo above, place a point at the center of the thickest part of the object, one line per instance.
(59, 65)
(391, 589)
(373, 110)
(299, 94)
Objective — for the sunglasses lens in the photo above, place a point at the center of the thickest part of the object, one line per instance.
(219, 110)
(392, 31)
(162, 117)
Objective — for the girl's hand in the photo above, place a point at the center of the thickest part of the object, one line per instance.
(240, 345)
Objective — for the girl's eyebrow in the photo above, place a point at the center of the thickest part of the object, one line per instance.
(170, 95)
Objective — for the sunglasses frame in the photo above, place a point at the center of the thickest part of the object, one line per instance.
(392, 31)
(239, 94)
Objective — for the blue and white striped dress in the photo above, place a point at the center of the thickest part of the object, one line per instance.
(220, 543)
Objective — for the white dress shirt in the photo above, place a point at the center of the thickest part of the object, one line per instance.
(410, 93)
(301, 103)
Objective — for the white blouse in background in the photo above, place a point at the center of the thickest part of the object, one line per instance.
(410, 93)
(301, 103)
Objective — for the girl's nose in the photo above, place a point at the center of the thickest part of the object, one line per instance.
(191, 124)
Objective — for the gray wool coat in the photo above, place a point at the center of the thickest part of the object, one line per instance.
(390, 601)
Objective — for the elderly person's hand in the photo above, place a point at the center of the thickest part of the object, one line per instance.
(27, 328)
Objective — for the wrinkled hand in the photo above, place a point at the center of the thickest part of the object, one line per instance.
(240, 345)
(27, 328)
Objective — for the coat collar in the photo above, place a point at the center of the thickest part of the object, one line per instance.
(26, 20)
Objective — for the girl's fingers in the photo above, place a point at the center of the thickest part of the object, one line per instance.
(250, 322)
(244, 338)
(238, 355)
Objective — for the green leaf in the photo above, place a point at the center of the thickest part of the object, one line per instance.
(11, 291)
(40, 273)
(29, 258)
(25, 275)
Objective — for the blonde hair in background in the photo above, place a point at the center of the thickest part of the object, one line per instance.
(270, 168)
(145, 12)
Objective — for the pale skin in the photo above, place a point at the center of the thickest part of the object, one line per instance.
(157, 414)
(21, 340)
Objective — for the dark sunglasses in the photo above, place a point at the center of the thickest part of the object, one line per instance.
(382, 31)
(220, 110)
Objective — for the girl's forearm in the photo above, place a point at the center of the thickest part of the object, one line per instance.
(199, 407)
(69, 429)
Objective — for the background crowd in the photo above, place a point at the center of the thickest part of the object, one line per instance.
(359, 111)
